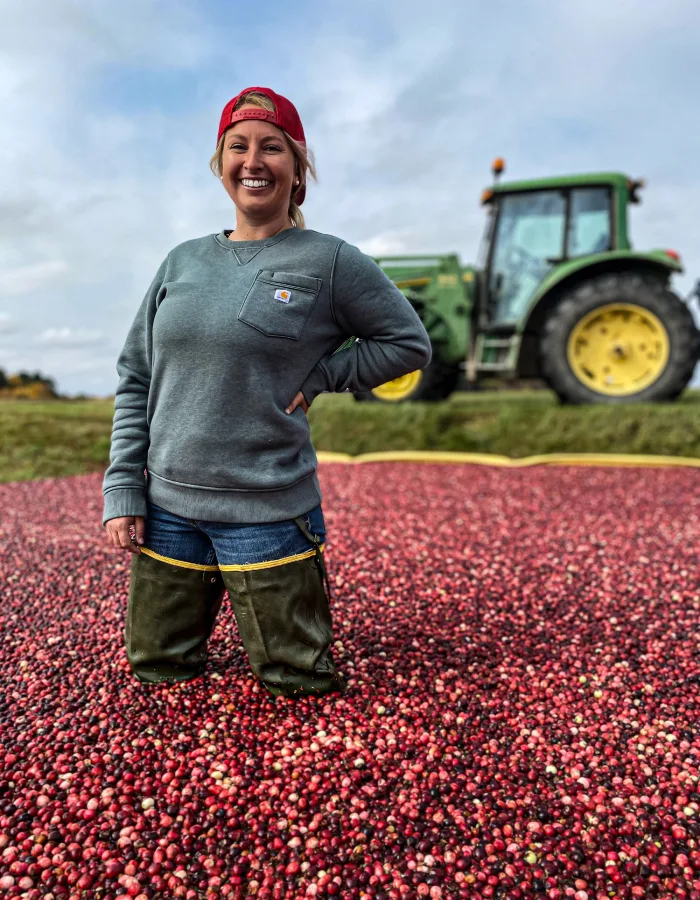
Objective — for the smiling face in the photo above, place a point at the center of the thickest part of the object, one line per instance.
(258, 169)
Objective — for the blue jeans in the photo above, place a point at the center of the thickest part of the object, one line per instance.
(220, 543)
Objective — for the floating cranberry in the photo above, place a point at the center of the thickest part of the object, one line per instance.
(521, 718)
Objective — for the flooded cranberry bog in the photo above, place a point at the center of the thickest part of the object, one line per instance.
(523, 653)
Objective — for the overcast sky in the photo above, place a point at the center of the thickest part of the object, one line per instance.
(110, 112)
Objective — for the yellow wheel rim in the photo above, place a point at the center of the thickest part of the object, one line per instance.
(399, 388)
(618, 349)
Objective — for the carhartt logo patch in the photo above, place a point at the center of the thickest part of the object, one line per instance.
(284, 296)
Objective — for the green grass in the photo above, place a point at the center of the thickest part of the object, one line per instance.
(47, 439)
(514, 424)
(57, 438)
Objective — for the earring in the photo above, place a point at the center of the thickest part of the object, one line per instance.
(297, 182)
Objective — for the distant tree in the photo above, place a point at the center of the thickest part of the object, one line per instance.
(27, 385)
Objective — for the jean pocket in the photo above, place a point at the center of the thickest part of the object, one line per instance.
(314, 521)
(279, 303)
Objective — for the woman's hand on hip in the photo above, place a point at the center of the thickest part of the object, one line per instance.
(118, 532)
(299, 400)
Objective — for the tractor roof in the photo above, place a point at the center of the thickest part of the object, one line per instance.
(616, 179)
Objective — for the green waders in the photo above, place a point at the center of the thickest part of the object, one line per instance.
(281, 609)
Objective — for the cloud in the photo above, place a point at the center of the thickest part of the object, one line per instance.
(27, 279)
(8, 325)
(110, 114)
(69, 337)
(558, 89)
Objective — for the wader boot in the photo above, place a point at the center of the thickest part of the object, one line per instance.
(171, 613)
(284, 620)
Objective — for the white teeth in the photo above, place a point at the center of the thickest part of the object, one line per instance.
(249, 182)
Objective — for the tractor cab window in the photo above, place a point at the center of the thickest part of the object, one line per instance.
(529, 238)
(589, 221)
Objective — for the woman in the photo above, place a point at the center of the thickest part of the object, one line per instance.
(233, 341)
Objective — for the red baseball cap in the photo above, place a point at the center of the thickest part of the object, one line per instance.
(285, 117)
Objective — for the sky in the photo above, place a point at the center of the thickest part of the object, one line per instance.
(110, 113)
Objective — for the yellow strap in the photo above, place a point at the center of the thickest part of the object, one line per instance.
(244, 568)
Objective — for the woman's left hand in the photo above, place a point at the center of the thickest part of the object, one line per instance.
(299, 400)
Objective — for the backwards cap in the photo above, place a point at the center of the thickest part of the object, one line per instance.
(285, 117)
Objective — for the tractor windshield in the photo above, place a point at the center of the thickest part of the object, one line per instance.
(532, 235)
(529, 233)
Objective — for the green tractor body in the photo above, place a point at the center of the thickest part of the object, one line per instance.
(558, 294)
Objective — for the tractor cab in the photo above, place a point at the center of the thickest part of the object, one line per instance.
(535, 226)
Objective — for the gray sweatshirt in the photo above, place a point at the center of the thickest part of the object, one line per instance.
(225, 337)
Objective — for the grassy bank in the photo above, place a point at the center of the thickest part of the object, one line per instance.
(57, 438)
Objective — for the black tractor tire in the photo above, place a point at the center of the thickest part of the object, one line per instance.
(638, 288)
(438, 381)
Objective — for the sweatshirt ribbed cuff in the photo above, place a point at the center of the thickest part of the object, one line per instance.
(124, 502)
(315, 384)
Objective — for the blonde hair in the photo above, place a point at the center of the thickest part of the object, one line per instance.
(303, 158)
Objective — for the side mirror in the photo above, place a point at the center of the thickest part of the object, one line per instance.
(634, 188)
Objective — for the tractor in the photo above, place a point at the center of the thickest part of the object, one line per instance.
(558, 295)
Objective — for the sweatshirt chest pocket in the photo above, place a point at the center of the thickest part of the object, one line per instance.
(279, 303)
